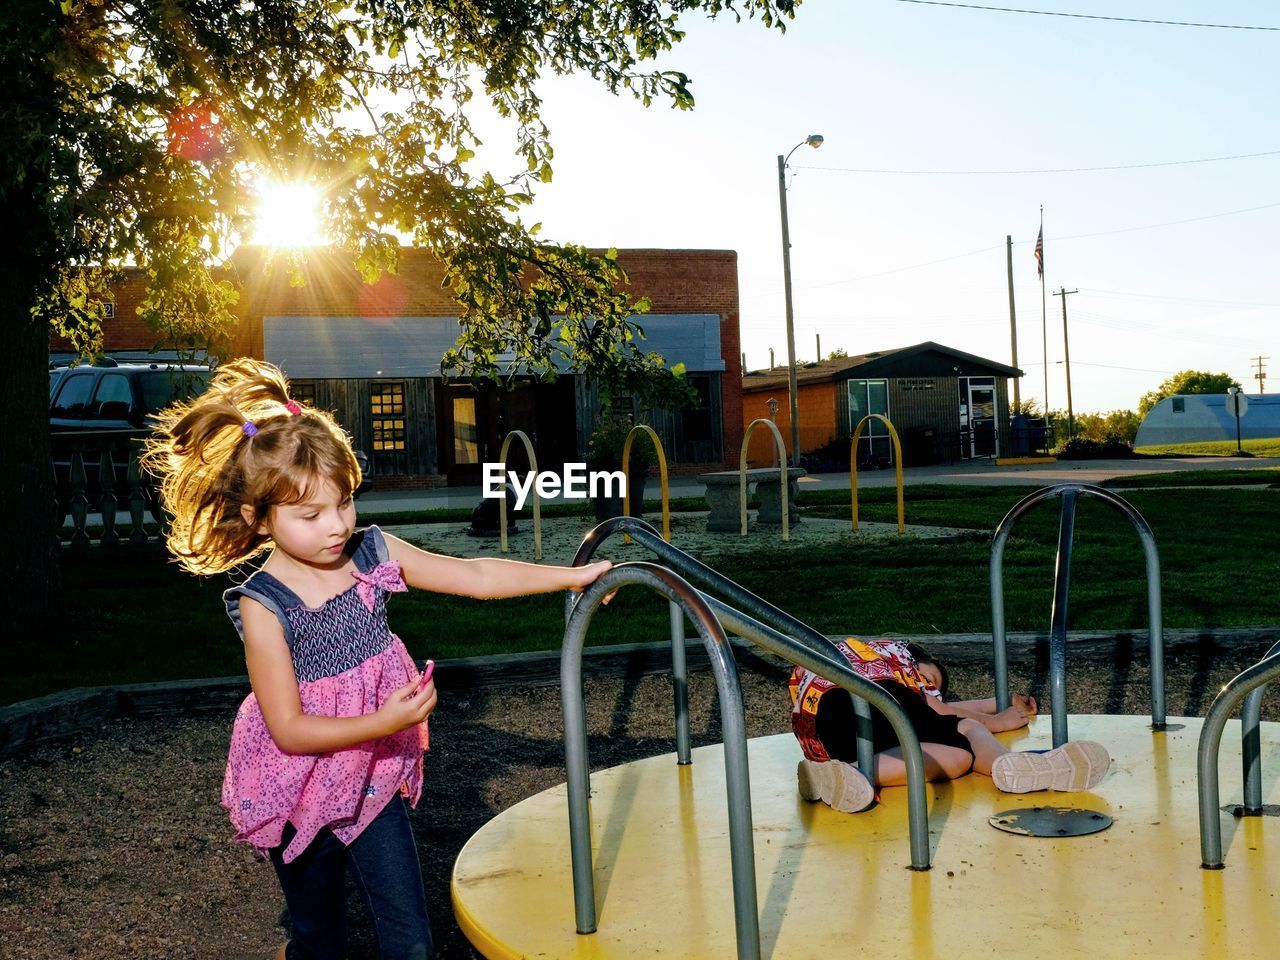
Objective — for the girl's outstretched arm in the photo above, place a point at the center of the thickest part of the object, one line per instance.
(486, 578)
(1014, 718)
(275, 686)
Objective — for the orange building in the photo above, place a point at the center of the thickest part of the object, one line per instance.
(944, 403)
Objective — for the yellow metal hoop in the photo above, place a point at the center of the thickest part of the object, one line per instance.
(537, 501)
(853, 466)
(782, 474)
(662, 473)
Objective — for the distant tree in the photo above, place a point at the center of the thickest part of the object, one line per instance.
(134, 132)
(1116, 425)
(1187, 381)
(1025, 408)
(839, 353)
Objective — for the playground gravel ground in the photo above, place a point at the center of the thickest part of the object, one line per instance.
(112, 844)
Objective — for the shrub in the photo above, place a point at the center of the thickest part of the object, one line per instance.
(1111, 447)
(831, 457)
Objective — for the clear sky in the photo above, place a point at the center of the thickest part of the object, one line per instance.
(884, 260)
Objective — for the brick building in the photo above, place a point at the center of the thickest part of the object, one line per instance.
(945, 404)
(371, 354)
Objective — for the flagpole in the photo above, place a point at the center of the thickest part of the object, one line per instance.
(1044, 322)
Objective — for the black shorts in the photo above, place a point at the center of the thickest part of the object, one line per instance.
(838, 733)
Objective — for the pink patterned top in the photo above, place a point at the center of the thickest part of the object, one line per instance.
(347, 662)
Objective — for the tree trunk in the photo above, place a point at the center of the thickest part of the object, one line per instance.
(29, 565)
(30, 579)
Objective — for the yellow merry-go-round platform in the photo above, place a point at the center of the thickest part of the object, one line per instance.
(834, 885)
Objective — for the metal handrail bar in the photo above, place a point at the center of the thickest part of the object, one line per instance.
(787, 637)
(733, 723)
(1070, 492)
(1245, 684)
(1251, 744)
(743, 599)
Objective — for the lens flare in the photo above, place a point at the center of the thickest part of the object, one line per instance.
(288, 215)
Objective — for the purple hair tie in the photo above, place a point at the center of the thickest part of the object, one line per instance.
(292, 407)
(249, 428)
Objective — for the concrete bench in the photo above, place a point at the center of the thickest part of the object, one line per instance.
(723, 490)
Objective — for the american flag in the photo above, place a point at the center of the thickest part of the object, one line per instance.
(1040, 254)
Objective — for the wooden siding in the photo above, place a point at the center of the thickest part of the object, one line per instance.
(349, 401)
(914, 405)
(669, 425)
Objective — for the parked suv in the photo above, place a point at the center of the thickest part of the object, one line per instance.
(92, 404)
(107, 403)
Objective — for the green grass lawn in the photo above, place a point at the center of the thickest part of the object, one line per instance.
(135, 617)
(1200, 478)
(1263, 447)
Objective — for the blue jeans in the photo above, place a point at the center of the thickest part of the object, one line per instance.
(384, 863)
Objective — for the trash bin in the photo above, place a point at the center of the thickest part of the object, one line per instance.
(919, 446)
(1020, 436)
(1037, 435)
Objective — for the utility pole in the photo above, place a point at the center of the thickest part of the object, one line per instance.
(818, 338)
(1044, 316)
(1066, 356)
(1013, 321)
(1261, 374)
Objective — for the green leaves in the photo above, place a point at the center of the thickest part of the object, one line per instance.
(165, 116)
(1187, 381)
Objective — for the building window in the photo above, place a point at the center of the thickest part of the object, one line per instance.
(696, 427)
(304, 391)
(1179, 405)
(867, 397)
(389, 433)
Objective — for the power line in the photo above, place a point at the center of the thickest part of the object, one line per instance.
(1153, 226)
(1108, 366)
(1091, 16)
(1019, 243)
(1128, 294)
(914, 266)
(983, 173)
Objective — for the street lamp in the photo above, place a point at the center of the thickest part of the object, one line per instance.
(813, 140)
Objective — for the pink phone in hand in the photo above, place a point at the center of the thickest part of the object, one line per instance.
(429, 669)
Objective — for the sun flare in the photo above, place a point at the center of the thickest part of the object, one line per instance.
(288, 215)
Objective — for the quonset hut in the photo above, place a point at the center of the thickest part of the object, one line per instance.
(1198, 418)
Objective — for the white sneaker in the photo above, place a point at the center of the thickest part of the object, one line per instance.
(1076, 765)
(841, 786)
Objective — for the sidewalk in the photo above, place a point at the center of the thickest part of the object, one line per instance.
(977, 472)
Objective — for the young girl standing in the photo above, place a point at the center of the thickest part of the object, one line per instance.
(329, 745)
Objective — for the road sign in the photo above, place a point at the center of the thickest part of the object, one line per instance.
(1237, 404)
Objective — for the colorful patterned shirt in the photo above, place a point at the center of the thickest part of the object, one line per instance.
(880, 661)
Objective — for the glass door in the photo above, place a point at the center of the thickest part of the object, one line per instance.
(982, 417)
(465, 431)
